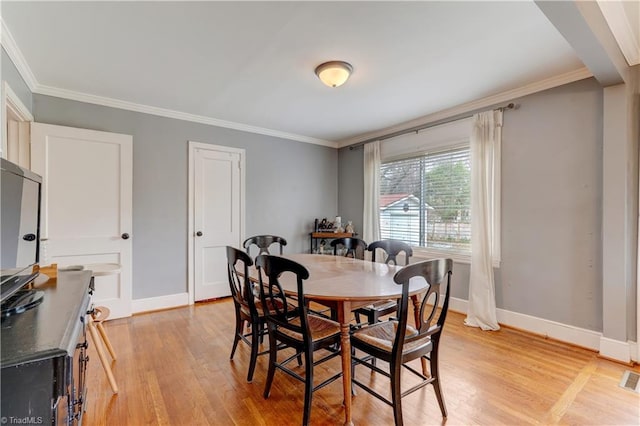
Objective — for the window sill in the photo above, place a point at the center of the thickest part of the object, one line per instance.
(426, 253)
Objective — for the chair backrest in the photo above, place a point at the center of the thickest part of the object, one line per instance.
(263, 242)
(434, 272)
(271, 270)
(392, 248)
(354, 247)
(241, 287)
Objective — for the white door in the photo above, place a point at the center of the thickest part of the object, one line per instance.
(87, 204)
(217, 206)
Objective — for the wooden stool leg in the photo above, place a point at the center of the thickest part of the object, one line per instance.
(105, 339)
(103, 358)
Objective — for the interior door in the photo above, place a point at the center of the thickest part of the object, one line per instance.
(218, 202)
(87, 204)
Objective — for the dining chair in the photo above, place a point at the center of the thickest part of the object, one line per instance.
(353, 247)
(391, 248)
(397, 343)
(263, 242)
(247, 308)
(294, 327)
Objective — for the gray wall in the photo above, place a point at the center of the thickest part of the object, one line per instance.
(288, 185)
(351, 182)
(551, 207)
(12, 76)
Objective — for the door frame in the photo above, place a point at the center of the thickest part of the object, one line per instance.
(193, 146)
(10, 102)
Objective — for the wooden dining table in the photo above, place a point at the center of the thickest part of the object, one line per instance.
(345, 284)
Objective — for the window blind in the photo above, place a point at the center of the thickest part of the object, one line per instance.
(426, 200)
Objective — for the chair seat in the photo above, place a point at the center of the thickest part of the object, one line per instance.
(382, 334)
(320, 328)
(260, 310)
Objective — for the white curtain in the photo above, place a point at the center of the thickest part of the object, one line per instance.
(371, 211)
(485, 148)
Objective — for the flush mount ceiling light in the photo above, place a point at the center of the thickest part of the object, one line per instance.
(334, 73)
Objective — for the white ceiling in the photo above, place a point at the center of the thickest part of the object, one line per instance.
(253, 63)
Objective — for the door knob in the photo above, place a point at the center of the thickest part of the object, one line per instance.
(199, 234)
(125, 236)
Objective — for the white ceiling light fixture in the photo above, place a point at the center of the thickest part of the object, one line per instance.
(334, 73)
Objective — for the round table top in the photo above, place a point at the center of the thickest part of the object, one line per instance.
(343, 278)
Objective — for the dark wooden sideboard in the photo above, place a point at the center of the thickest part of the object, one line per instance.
(44, 355)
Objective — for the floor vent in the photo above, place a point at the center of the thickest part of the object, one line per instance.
(630, 380)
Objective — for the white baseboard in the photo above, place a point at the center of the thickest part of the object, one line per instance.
(567, 333)
(615, 349)
(160, 302)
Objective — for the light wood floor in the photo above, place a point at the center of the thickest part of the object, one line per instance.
(173, 368)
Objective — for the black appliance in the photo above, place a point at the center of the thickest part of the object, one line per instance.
(20, 192)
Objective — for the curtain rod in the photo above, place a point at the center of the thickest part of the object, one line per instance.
(426, 126)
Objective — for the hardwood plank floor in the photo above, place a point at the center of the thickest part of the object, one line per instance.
(173, 368)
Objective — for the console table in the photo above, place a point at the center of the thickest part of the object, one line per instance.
(315, 236)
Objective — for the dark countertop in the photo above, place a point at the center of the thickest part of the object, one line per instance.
(50, 329)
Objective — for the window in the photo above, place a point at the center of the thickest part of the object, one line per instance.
(426, 200)
(425, 191)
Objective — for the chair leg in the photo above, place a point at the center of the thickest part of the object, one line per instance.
(308, 386)
(353, 370)
(373, 318)
(273, 353)
(396, 394)
(101, 355)
(357, 317)
(256, 336)
(236, 337)
(105, 339)
(436, 380)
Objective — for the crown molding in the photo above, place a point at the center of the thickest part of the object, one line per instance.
(12, 49)
(163, 112)
(7, 41)
(490, 101)
(622, 29)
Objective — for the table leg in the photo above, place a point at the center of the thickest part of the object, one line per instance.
(344, 317)
(417, 319)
